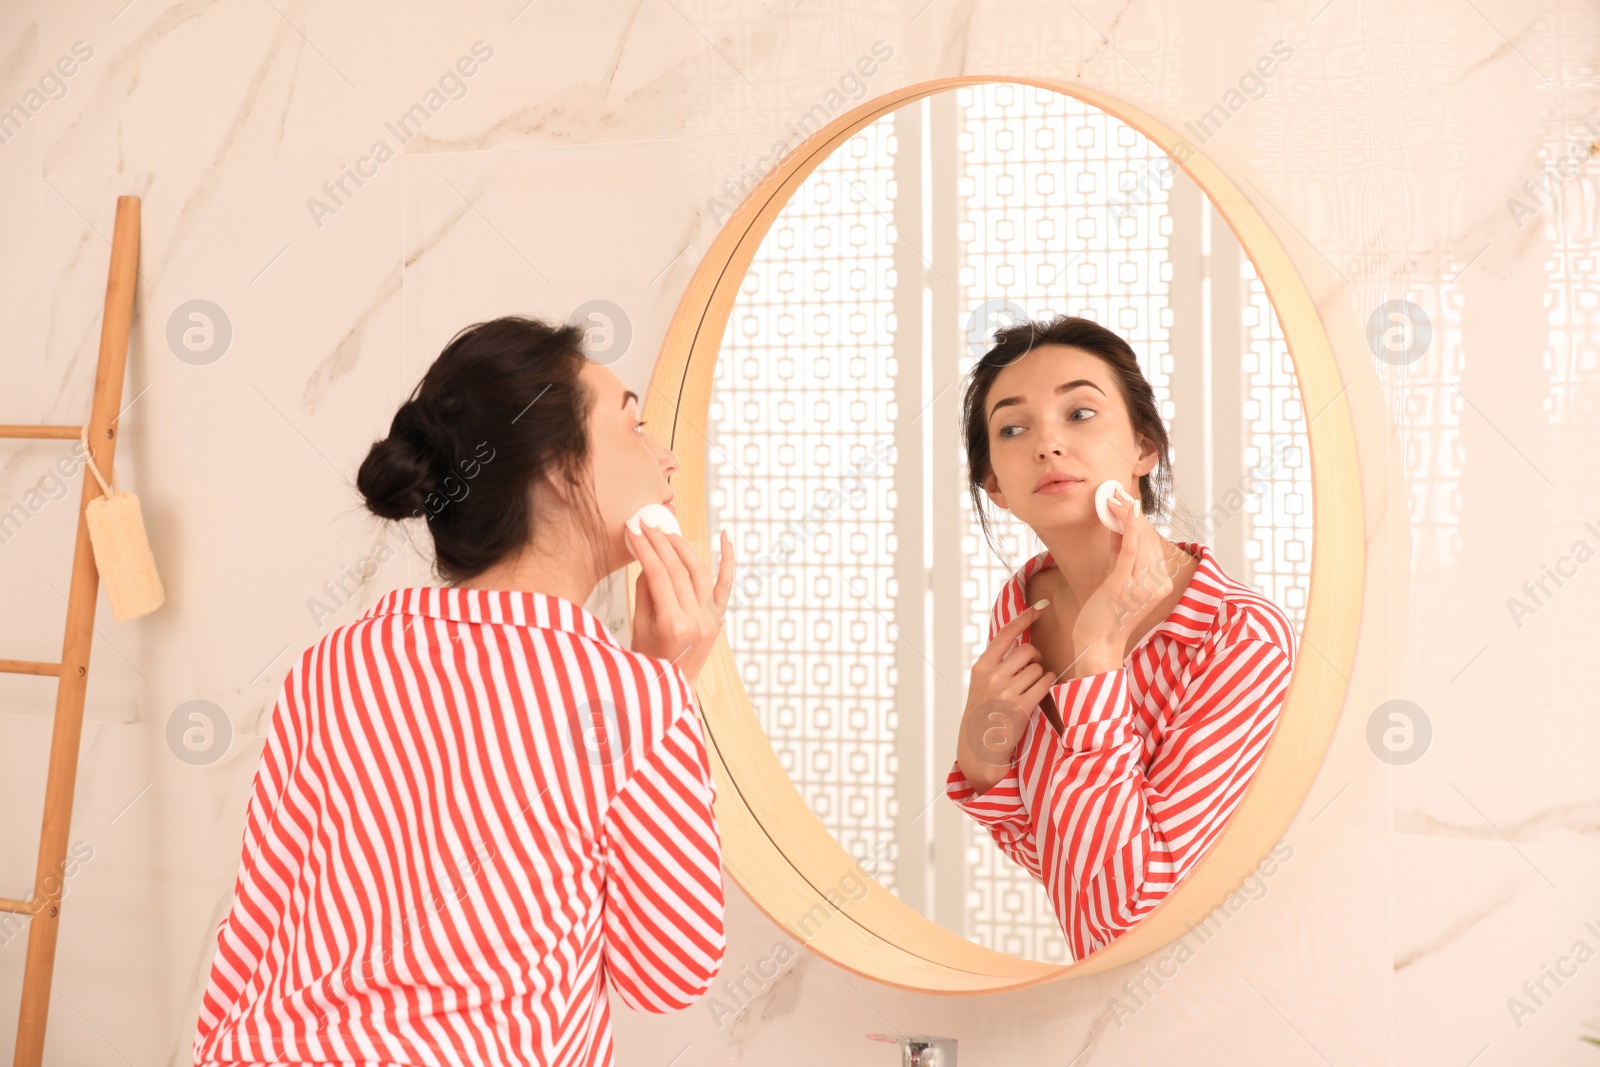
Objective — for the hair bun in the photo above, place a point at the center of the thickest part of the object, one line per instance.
(400, 470)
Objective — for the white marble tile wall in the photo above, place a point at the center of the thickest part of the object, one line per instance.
(578, 165)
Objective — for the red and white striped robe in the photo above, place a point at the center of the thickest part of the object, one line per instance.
(473, 808)
(1156, 754)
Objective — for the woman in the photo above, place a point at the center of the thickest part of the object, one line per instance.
(475, 805)
(1165, 674)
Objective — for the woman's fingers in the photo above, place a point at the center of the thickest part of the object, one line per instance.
(1014, 666)
(1023, 680)
(699, 570)
(1136, 581)
(1151, 581)
(1141, 579)
(663, 596)
(1025, 648)
(1007, 634)
(678, 577)
(683, 581)
(1128, 550)
(644, 600)
(1117, 604)
(722, 592)
(1037, 691)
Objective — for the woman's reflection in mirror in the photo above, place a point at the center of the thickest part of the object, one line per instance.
(1166, 674)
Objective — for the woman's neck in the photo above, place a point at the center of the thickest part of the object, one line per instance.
(554, 573)
(1084, 556)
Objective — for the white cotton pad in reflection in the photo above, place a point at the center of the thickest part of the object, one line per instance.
(1102, 498)
(658, 515)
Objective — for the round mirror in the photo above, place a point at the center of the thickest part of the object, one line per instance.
(816, 375)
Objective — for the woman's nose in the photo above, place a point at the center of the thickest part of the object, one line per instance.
(1046, 438)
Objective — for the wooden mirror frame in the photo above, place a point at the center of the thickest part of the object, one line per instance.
(774, 847)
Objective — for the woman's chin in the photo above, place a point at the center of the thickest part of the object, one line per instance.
(1064, 519)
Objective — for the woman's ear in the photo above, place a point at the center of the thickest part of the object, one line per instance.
(553, 486)
(991, 485)
(1148, 455)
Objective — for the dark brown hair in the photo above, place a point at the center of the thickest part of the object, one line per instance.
(1013, 342)
(501, 406)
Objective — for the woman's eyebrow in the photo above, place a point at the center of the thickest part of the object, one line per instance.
(627, 395)
(1064, 387)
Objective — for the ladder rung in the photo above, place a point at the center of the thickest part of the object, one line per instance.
(21, 907)
(66, 433)
(28, 666)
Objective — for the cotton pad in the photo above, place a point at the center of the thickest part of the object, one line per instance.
(658, 515)
(1102, 498)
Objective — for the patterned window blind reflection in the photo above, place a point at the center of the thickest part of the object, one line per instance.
(1428, 408)
(1063, 211)
(1278, 549)
(1041, 177)
(799, 470)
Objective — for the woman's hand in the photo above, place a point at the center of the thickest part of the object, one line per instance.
(1006, 685)
(1139, 580)
(677, 611)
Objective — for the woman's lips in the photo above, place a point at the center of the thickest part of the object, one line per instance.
(1058, 487)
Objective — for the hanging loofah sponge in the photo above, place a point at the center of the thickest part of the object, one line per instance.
(121, 549)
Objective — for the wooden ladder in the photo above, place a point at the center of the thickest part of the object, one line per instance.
(43, 908)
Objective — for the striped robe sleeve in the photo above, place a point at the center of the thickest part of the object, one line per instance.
(240, 948)
(1001, 811)
(1123, 836)
(663, 914)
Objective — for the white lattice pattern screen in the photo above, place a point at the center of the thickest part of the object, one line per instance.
(1278, 548)
(800, 399)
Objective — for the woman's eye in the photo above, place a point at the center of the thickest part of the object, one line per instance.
(1014, 426)
(640, 425)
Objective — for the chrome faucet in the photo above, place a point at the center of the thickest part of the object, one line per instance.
(921, 1050)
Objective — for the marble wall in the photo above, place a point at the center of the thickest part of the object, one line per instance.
(1442, 910)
